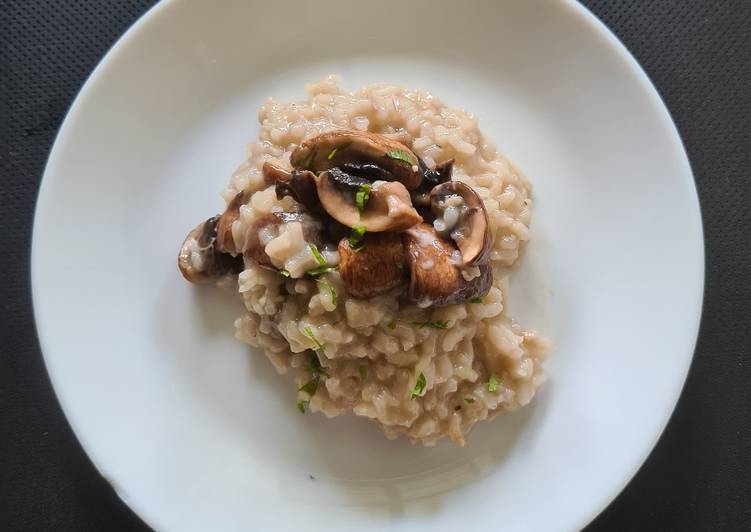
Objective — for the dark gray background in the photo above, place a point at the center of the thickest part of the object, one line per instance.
(699, 56)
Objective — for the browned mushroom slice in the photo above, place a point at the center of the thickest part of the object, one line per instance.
(273, 174)
(224, 240)
(440, 174)
(374, 268)
(344, 146)
(199, 260)
(300, 185)
(460, 214)
(266, 229)
(434, 279)
(388, 208)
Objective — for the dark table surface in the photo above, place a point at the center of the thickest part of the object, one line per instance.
(698, 53)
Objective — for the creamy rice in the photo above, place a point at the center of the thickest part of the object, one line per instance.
(374, 350)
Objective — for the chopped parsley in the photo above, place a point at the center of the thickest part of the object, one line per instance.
(362, 196)
(493, 382)
(317, 254)
(476, 300)
(355, 236)
(333, 152)
(317, 372)
(326, 285)
(391, 325)
(284, 273)
(399, 265)
(301, 406)
(419, 389)
(311, 386)
(315, 272)
(402, 155)
(469, 400)
(309, 334)
(362, 371)
(315, 368)
(432, 324)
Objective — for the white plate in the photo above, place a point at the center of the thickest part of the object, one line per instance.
(196, 433)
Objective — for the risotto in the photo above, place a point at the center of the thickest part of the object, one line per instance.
(371, 234)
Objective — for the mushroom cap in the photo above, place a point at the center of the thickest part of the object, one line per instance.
(255, 247)
(433, 277)
(345, 146)
(199, 260)
(374, 268)
(468, 226)
(389, 207)
(224, 241)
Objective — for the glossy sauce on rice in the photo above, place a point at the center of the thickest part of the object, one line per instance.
(414, 369)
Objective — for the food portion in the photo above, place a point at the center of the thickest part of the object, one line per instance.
(371, 233)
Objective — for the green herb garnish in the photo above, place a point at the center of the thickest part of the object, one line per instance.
(469, 400)
(391, 325)
(362, 196)
(476, 300)
(309, 334)
(493, 382)
(317, 254)
(310, 387)
(314, 367)
(326, 284)
(362, 371)
(301, 406)
(315, 272)
(432, 324)
(355, 236)
(284, 273)
(333, 152)
(402, 156)
(419, 389)
(399, 265)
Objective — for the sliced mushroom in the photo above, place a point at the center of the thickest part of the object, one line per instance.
(434, 278)
(273, 174)
(460, 214)
(266, 229)
(224, 240)
(344, 146)
(200, 261)
(345, 181)
(300, 185)
(440, 174)
(389, 207)
(369, 171)
(374, 268)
